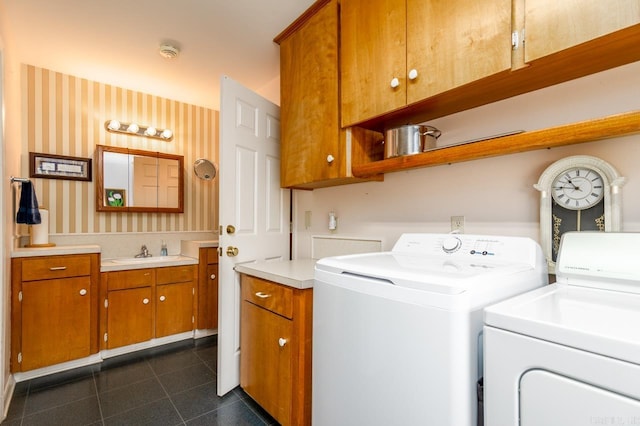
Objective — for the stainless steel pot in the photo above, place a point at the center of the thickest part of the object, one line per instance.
(409, 139)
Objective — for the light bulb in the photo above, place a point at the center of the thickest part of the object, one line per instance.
(133, 128)
(114, 125)
(151, 131)
(166, 133)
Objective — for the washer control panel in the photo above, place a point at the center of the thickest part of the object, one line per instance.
(468, 246)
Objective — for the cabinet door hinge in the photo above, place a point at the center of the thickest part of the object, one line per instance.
(20, 296)
(517, 39)
(106, 303)
(193, 291)
(193, 319)
(104, 337)
(19, 357)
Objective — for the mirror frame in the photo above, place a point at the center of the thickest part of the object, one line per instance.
(100, 205)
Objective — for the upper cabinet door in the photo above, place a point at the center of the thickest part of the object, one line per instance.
(309, 100)
(373, 54)
(552, 25)
(455, 42)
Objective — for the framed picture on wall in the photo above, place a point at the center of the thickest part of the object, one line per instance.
(51, 166)
(115, 197)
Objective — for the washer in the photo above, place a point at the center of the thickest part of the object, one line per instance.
(569, 353)
(397, 335)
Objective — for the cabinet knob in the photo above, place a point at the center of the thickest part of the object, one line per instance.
(330, 158)
(413, 74)
(83, 292)
(282, 341)
(145, 301)
(213, 276)
(395, 82)
(162, 298)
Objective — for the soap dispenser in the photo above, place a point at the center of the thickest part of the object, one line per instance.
(163, 250)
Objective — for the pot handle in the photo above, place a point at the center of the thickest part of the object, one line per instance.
(432, 132)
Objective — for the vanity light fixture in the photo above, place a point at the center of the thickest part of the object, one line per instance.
(133, 129)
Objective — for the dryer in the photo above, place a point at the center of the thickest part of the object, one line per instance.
(569, 353)
(397, 335)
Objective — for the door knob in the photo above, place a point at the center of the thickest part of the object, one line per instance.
(231, 229)
(232, 251)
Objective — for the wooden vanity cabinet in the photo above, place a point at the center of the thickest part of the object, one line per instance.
(275, 342)
(127, 300)
(175, 289)
(315, 151)
(142, 304)
(207, 291)
(398, 52)
(54, 309)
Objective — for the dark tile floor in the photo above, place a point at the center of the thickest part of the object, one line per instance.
(171, 385)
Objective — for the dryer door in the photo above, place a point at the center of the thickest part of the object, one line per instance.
(553, 400)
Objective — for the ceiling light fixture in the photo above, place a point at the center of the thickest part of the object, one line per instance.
(168, 51)
(133, 129)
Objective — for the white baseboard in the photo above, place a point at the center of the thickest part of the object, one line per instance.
(7, 395)
(57, 368)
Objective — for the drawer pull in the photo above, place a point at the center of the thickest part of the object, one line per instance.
(83, 292)
(162, 298)
(145, 301)
(282, 341)
(262, 295)
(58, 268)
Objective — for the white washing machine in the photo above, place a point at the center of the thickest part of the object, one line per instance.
(569, 353)
(397, 335)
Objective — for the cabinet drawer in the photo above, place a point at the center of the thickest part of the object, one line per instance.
(50, 267)
(274, 297)
(176, 274)
(212, 255)
(133, 278)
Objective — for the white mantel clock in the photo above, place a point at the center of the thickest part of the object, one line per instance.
(578, 193)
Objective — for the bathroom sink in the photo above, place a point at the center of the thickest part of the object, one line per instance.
(152, 259)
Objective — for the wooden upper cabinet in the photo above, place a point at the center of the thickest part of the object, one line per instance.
(455, 42)
(315, 152)
(552, 26)
(373, 53)
(398, 52)
(309, 98)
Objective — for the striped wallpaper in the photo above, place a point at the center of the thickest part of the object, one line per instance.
(65, 115)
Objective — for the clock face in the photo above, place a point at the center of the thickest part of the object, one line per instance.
(578, 188)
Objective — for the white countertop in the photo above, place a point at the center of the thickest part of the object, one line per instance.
(55, 250)
(292, 273)
(192, 248)
(107, 265)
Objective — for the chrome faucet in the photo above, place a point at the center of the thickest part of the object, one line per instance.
(144, 252)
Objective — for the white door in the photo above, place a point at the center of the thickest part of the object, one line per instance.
(252, 202)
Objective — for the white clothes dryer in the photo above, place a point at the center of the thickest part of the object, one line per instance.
(397, 335)
(569, 353)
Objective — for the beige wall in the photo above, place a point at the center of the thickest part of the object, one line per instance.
(65, 115)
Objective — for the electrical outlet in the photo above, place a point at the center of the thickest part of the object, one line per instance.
(457, 224)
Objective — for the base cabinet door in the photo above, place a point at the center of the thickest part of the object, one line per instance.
(55, 321)
(174, 308)
(265, 370)
(207, 303)
(129, 317)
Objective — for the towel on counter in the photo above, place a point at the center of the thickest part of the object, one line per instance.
(28, 210)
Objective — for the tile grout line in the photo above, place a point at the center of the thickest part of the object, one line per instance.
(167, 393)
(95, 386)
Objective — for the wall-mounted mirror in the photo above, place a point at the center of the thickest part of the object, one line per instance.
(133, 180)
